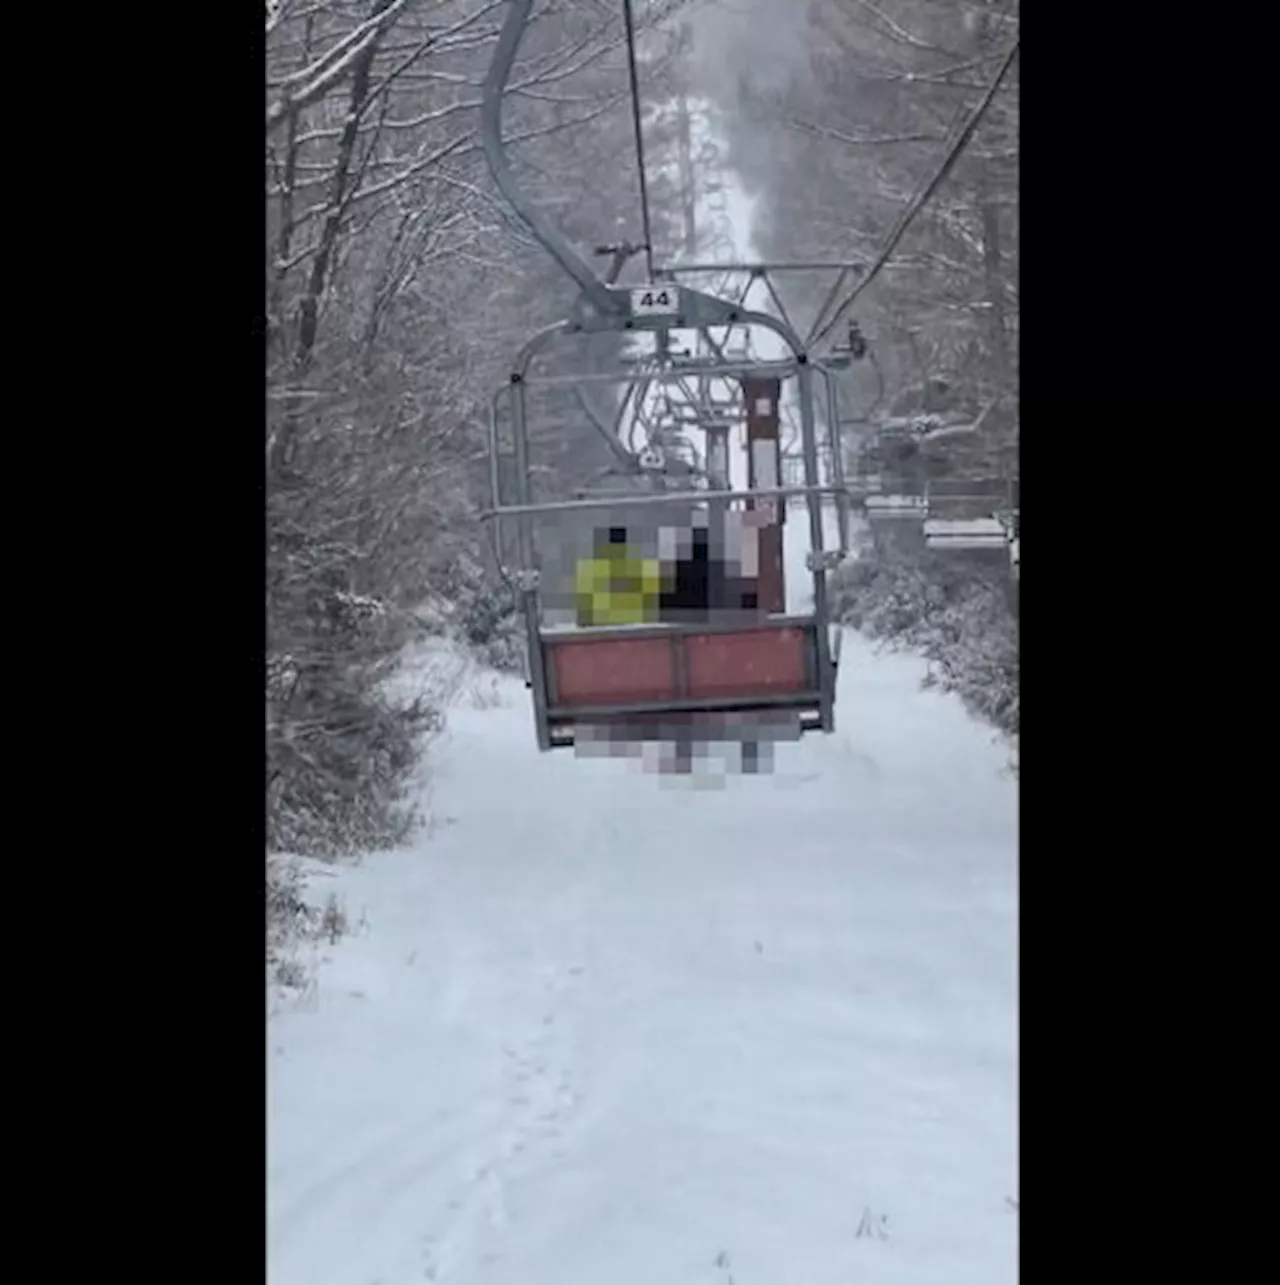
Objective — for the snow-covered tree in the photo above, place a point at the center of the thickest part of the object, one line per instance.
(398, 288)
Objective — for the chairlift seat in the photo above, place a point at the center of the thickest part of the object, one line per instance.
(891, 507)
(645, 676)
(962, 533)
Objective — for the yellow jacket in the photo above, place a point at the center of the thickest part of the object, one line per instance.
(618, 589)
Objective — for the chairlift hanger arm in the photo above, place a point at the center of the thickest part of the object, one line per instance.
(504, 56)
(619, 254)
(611, 439)
(613, 307)
(609, 307)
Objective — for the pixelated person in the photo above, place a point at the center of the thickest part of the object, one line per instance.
(696, 588)
(686, 595)
(616, 586)
(701, 585)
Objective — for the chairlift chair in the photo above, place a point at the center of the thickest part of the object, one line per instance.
(766, 674)
(895, 507)
(965, 534)
(968, 514)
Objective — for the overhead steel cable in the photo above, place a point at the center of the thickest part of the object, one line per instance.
(628, 19)
(922, 199)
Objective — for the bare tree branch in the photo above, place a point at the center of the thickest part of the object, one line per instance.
(333, 66)
(883, 140)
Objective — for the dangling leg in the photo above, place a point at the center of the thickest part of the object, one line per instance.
(684, 747)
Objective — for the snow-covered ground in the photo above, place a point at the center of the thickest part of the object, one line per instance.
(603, 1028)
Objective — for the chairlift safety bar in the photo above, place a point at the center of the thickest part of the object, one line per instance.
(667, 374)
(659, 498)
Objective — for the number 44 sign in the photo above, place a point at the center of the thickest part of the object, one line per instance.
(655, 301)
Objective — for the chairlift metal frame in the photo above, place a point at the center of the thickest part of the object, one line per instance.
(772, 674)
(988, 525)
(965, 535)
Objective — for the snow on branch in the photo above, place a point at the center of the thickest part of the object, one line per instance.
(877, 140)
(332, 66)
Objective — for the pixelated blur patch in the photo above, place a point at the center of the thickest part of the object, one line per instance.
(714, 749)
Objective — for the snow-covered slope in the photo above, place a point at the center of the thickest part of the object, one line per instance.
(603, 1028)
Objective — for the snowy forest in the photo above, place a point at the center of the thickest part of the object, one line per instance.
(698, 963)
(399, 286)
